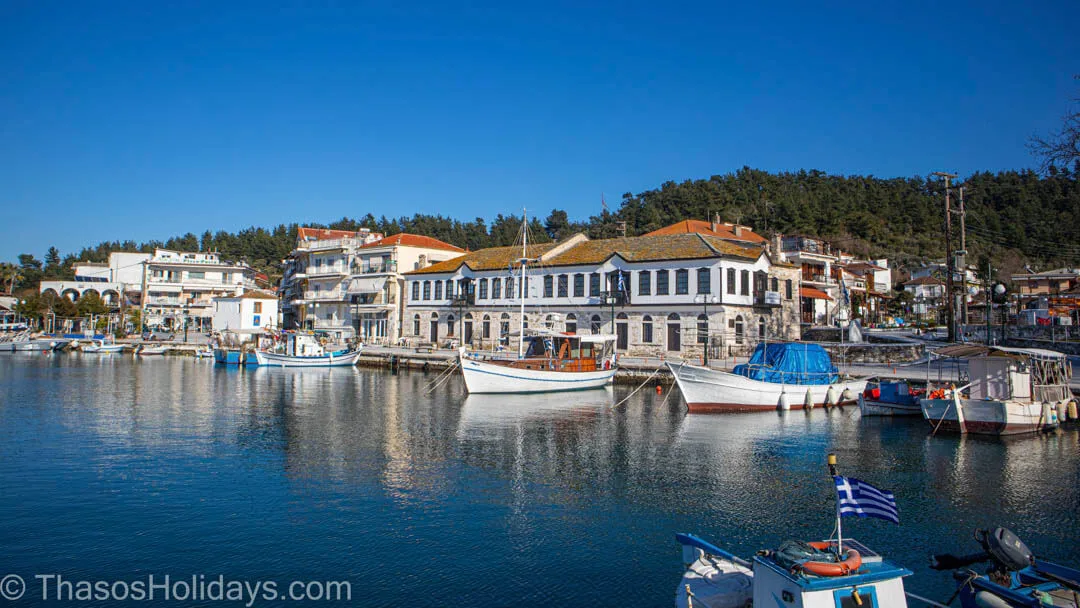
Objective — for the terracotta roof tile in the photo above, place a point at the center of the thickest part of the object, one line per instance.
(492, 258)
(414, 240)
(724, 231)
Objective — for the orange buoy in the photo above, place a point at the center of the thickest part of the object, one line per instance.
(659, 389)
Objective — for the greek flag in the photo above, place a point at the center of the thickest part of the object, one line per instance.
(622, 286)
(855, 497)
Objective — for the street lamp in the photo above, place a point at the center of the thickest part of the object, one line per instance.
(705, 299)
(611, 298)
(185, 322)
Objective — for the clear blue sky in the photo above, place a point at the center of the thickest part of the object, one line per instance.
(126, 120)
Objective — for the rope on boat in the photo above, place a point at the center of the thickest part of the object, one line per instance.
(441, 378)
(642, 385)
(943, 414)
(666, 397)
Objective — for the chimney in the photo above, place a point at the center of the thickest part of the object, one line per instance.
(738, 230)
(716, 222)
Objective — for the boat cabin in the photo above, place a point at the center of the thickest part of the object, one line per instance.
(566, 352)
(876, 583)
(1012, 374)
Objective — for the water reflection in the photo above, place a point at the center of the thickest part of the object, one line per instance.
(266, 469)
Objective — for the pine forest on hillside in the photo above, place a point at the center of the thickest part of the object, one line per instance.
(1014, 218)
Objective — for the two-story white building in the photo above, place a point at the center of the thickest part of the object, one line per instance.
(666, 294)
(349, 284)
(109, 280)
(250, 313)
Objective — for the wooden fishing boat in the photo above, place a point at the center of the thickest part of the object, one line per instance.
(303, 350)
(1011, 391)
(549, 363)
(889, 398)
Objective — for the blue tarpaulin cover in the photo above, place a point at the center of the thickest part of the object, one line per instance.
(790, 363)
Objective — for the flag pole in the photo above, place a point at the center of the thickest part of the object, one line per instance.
(839, 529)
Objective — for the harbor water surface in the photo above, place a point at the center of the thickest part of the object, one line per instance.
(113, 468)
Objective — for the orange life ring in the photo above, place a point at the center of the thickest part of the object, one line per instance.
(852, 562)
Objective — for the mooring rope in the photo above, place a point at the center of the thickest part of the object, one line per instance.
(625, 399)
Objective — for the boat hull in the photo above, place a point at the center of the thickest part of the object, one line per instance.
(712, 391)
(103, 350)
(278, 360)
(484, 377)
(234, 357)
(872, 407)
(989, 417)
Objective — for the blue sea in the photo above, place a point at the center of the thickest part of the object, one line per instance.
(114, 469)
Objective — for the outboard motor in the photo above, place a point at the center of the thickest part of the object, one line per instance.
(1000, 546)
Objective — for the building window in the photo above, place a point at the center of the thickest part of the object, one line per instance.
(483, 289)
(510, 295)
(594, 324)
(682, 282)
(646, 329)
(594, 284)
(504, 324)
(704, 280)
(644, 283)
(549, 286)
(258, 308)
(739, 329)
(745, 284)
(486, 327)
(787, 288)
(702, 329)
(731, 281)
(762, 328)
(496, 289)
(662, 282)
(416, 324)
(449, 325)
(427, 290)
(579, 286)
(775, 285)
(563, 291)
(196, 275)
(438, 290)
(525, 287)
(449, 289)
(571, 322)
(416, 291)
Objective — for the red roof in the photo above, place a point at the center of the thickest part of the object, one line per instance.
(817, 294)
(925, 281)
(414, 240)
(321, 234)
(724, 231)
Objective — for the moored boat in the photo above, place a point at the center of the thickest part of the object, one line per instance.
(1016, 578)
(1011, 391)
(549, 363)
(147, 351)
(303, 350)
(96, 346)
(779, 375)
(889, 398)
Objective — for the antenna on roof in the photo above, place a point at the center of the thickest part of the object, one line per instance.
(603, 203)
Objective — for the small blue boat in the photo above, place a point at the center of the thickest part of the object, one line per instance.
(234, 356)
(1015, 577)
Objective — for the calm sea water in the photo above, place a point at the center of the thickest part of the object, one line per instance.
(112, 468)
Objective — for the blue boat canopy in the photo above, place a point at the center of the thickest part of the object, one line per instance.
(790, 363)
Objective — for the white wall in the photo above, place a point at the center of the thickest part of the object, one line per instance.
(238, 314)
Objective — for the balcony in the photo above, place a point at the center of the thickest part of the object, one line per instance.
(329, 244)
(325, 296)
(384, 268)
(163, 301)
(313, 272)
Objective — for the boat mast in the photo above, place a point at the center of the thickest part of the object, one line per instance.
(524, 259)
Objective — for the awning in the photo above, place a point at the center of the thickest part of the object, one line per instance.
(366, 285)
(817, 294)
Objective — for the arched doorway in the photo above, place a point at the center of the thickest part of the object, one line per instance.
(571, 323)
(740, 331)
(594, 325)
(434, 334)
(504, 328)
(622, 331)
(674, 333)
(467, 332)
(486, 328)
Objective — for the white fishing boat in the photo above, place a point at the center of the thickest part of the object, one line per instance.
(1010, 391)
(147, 351)
(779, 376)
(548, 363)
(303, 350)
(101, 347)
(835, 573)
(545, 361)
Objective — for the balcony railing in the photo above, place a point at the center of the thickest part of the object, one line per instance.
(329, 244)
(386, 267)
(328, 296)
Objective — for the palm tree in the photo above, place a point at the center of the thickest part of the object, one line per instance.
(9, 273)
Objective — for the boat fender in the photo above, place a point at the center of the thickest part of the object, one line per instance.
(846, 396)
(808, 401)
(1072, 410)
(985, 599)
(851, 562)
(1049, 416)
(1061, 413)
(830, 396)
(783, 404)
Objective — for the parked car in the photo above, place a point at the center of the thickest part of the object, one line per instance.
(157, 336)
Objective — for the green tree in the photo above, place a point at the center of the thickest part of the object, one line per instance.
(91, 304)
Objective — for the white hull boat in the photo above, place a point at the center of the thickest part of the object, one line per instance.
(346, 359)
(101, 348)
(487, 377)
(145, 351)
(1012, 391)
(989, 417)
(39, 345)
(710, 390)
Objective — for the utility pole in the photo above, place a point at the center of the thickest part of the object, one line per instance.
(963, 264)
(950, 309)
